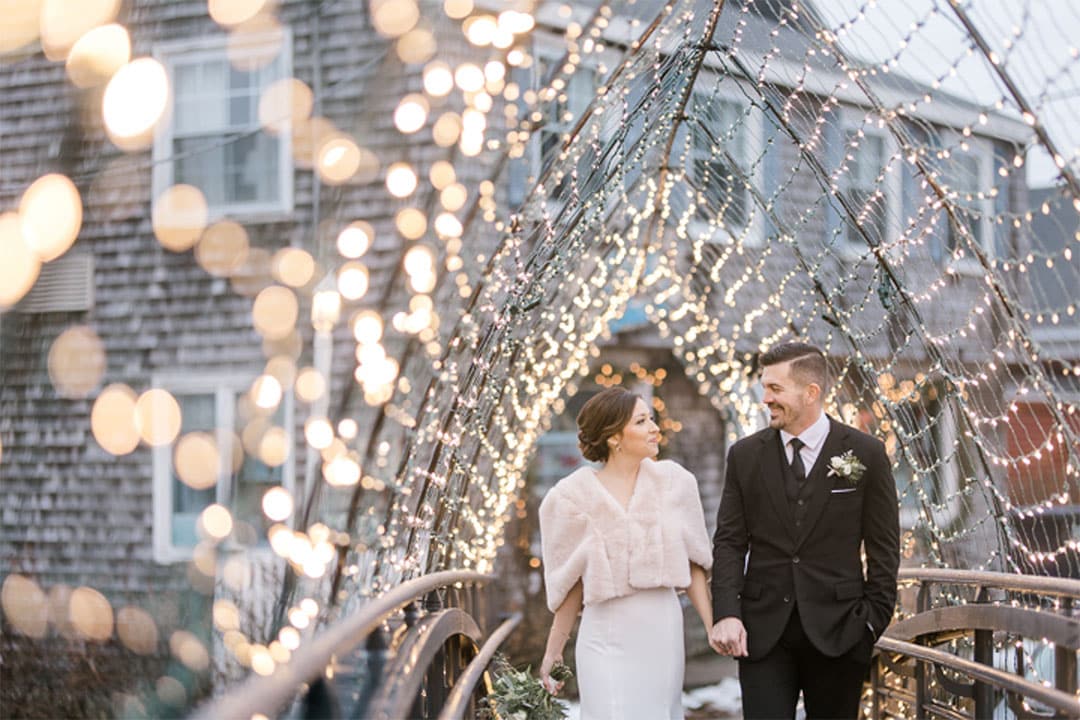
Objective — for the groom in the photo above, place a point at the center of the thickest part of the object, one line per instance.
(802, 500)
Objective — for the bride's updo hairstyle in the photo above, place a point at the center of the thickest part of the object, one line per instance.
(604, 414)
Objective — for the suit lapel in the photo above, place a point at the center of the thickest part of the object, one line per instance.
(773, 476)
(820, 483)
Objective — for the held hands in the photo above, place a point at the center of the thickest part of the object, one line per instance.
(550, 684)
(728, 637)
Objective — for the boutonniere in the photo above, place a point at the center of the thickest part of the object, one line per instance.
(846, 466)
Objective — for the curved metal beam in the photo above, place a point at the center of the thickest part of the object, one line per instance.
(406, 673)
(1056, 699)
(1059, 587)
(1063, 631)
(458, 701)
(267, 694)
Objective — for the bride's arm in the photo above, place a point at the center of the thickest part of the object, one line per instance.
(561, 626)
(698, 592)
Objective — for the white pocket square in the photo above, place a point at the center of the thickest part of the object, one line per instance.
(843, 490)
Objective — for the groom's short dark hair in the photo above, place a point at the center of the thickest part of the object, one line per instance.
(807, 362)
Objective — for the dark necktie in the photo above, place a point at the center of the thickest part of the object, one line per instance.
(797, 466)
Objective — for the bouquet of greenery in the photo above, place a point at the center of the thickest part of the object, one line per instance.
(517, 694)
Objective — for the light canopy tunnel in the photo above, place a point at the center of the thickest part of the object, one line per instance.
(746, 179)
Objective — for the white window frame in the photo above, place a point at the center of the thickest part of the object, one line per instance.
(194, 50)
(714, 231)
(982, 150)
(225, 389)
(854, 120)
(545, 57)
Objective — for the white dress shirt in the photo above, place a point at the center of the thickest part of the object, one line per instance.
(813, 439)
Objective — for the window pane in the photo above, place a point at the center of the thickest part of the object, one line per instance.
(200, 161)
(198, 414)
(718, 139)
(250, 482)
(199, 97)
(251, 169)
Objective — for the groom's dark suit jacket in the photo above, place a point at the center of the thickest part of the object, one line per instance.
(816, 566)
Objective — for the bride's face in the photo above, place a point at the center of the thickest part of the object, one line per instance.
(640, 438)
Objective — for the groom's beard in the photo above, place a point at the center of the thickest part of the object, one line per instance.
(782, 416)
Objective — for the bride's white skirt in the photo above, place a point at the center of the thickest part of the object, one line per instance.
(630, 657)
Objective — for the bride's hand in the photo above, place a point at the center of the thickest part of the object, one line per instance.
(728, 637)
(550, 684)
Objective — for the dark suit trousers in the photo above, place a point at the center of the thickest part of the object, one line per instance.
(831, 687)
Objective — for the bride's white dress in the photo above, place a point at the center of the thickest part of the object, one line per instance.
(629, 657)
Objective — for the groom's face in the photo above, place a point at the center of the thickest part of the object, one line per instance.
(791, 404)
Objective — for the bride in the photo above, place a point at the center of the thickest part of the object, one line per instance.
(617, 544)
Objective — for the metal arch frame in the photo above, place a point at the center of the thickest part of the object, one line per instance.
(458, 700)
(902, 642)
(268, 694)
(417, 651)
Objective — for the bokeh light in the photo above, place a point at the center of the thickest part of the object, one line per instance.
(347, 429)
(266, 392)
(480, 29)
(411, 223)
(355, 239)
(179, 217)
(338, 160)
(274, 447)
(284, 104)
(24, 604)
(255, 43)
(411, 113)
(442, 174)
(342, 471)
(438, 79)
(76, 362)
(217, 521)
(293, 267)
(197, 460)
(137, 630)
(393, 18)
(275, 311)
(135, 100)
(22, 24)
(112, 419)
(50, 213)
(91, 614)
(310, 385)
(222, 248)
(318, 432)
(416, 46)
(283, 369)
(469, 77)
(187, 648)
(277, 503)
(447, 129)
(353, 279)
(98, 55)
(234, 12)
(401, 179)
(457, 9)
(419, 260)
(157, 417)
(62, 25)
(367, 327)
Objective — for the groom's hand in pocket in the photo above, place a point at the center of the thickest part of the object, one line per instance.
(728, 637)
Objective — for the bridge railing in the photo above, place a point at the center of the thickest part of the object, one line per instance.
(912, 677)
(414, 651)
